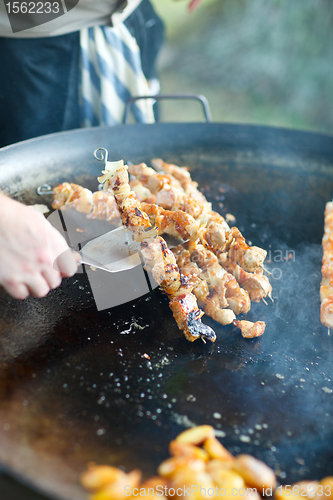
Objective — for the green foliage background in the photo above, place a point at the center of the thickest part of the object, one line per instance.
(257, 61)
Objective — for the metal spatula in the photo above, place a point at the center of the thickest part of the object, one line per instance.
(116, 251)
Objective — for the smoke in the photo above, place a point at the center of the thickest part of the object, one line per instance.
(296, 276)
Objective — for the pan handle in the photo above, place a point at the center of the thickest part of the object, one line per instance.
(201, 98)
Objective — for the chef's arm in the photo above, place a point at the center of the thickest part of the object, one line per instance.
(33, 255)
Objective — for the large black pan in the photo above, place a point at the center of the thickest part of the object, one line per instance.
(75, 385)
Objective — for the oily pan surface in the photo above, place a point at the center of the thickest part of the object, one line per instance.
(115, 386)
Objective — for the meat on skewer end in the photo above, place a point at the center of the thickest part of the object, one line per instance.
(198, 329)
(250, 330)
(326, 313)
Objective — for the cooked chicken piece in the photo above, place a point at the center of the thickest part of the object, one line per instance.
(128, 205)
(216, 290)
(238, 299)
(249, 258)
(142, 193)
(180, 173)
(151, 179)
(224, 283)
(152, 210)
(249, 329)
(209, 298)
(98, 205)
(211, 301)
(166, 189)
(176, 223)
(104, 206)
(189, 205)
(170, 197)
(326, 297)
(169, 188)
(183, 176)
(61, 194)
(256, 284)
(219, 219)
(213, 236)
(78, 196)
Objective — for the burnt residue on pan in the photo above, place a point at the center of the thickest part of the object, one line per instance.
(116, 386)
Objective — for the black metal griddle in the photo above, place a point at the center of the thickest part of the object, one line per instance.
(76, 385)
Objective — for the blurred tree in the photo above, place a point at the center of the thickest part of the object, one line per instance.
(262, 62)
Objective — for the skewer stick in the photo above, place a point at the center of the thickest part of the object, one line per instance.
(329, 332)
(264, 301)
(270, 296)
(266, 270)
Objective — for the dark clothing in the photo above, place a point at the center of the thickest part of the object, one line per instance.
(39, 78)
(38, 86)
(148, 30)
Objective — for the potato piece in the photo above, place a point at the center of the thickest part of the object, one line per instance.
(133, 478)
(255, 472)
(251, 494)
(196, 435)
(169, 467)
(218, 464)
(118, 489)
(98, 476)
(149, 496)
(306, 489)
(199, 483)
(177, 448)
(154, 487)
(216, 450)
(228, 479)
(327, 492)
(115, 491)
(286, 493)
(154, 482)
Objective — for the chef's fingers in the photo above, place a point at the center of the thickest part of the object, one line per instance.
(16, 290)
(77, 256)
(37, 285)
(52, 277)
(66, 264)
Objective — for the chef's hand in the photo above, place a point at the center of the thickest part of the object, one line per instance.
(33, 255)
